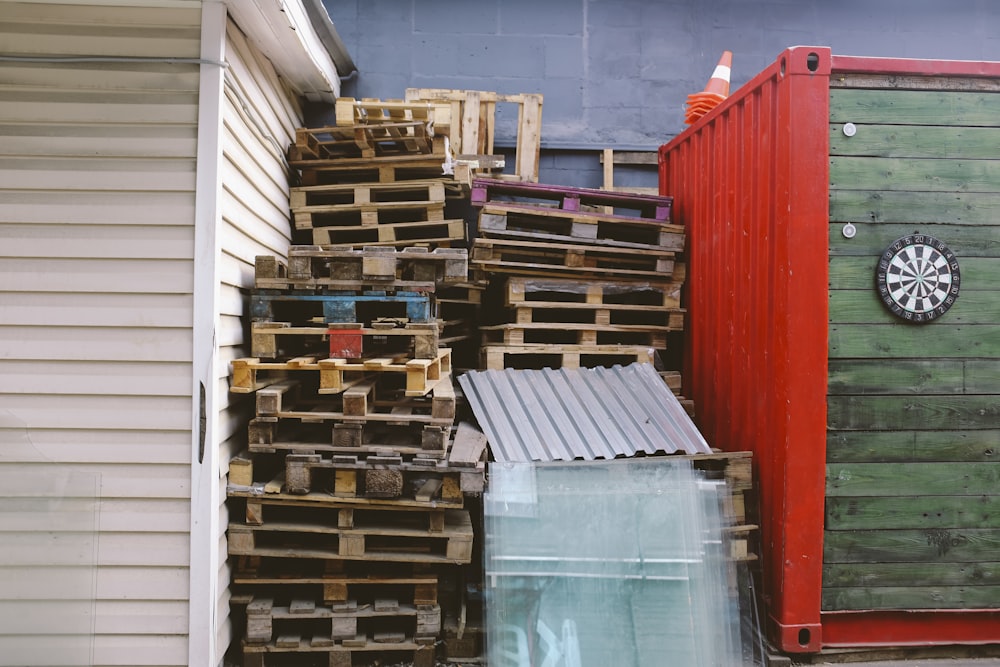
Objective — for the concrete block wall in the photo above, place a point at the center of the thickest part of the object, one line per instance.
(616, 73)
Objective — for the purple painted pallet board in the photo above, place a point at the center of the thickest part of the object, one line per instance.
(570, 198)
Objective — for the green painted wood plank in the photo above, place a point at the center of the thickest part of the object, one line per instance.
(839, 575)
(911, 597)
(907, 479)
(913, 376)
(914, 174)
(924, 412)
(913, 446)
(853, 273)
(960, 545)
(901, 376)
(872, 239)
(939, 338)
(916, 511)
(959, 208)
(914, 107)
(916, 141)
(863, 306)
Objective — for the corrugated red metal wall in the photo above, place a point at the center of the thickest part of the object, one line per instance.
(750, 181)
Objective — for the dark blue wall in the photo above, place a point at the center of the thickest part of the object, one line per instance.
(615, 73)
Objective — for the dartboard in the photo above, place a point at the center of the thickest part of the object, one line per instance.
(918, 278)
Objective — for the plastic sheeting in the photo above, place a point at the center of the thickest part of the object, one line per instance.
(589, 564)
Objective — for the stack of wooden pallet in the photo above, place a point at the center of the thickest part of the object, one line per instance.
(582, 277)
(348, 507)
(381, 176)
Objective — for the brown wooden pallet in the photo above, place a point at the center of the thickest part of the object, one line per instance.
(464, 292)
(296, 650)
(498, 357)
(473, 116)
(658, 318)
(339, 581)
(370, 111)
(371, 170)
(639, 294)
(367, 215)
(270, 510)
(528, 258)
(362, 194)
(545, 333)
(439, 266)
(336, 375)
(399, 234)
(739, 506)
(282, 340)
(561, 226)
(393, 138)
(377, 399)
(452, 544)
(569, 198)
(311, 437)
(268, 619)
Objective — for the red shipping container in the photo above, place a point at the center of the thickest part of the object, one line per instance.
(751, 181)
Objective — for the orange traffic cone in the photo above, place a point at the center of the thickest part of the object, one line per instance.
(715, 91)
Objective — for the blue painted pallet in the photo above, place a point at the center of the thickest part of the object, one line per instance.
(343, 307)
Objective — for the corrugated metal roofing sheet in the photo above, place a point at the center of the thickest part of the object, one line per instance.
(584, 413)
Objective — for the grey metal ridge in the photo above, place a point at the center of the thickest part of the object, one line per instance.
(587, 413)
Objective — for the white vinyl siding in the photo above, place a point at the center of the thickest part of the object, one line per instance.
(97, 201)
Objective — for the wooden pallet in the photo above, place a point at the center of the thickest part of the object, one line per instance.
(475, 134)
(268, 619)
(546, 333)
(568, 198)
(298, 539)
(367, 215)
(370, 111)
(271, 510)
(560, 226)
(657, 318)
(400, 234)
(739, 505)
(316, 435)
(380, 170)
(365, 140)
(498, 357)
(336, 582)
(336, 375)
(645, 160)
(375, 399)
(353, 195)
(555, 292)
(281, 340)
(315, 267)
(293, 651)
(302, 306)
(551, 259)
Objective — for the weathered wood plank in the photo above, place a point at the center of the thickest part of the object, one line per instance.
(959, 208)
(965, 545)
(906, 479)
(914, 376)
(940, 338)
(913, 82)
(902, 376)
(912, 511)
(838, 575)
(914, 174)
(852, 273)
(871, 239)
(914, 107)
(860, 306)
(913, 446)
(926, 412)
(911, 597)
(916, 142)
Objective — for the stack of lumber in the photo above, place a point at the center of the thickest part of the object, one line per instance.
(582, 277)
(348, 507)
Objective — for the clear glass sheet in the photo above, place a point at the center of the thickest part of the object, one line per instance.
(590, 564)
(48, 556)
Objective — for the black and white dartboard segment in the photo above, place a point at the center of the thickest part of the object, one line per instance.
(918, 278)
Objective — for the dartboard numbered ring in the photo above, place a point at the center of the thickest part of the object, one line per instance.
(918, 278)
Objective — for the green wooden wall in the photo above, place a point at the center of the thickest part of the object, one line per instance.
(913, 446)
